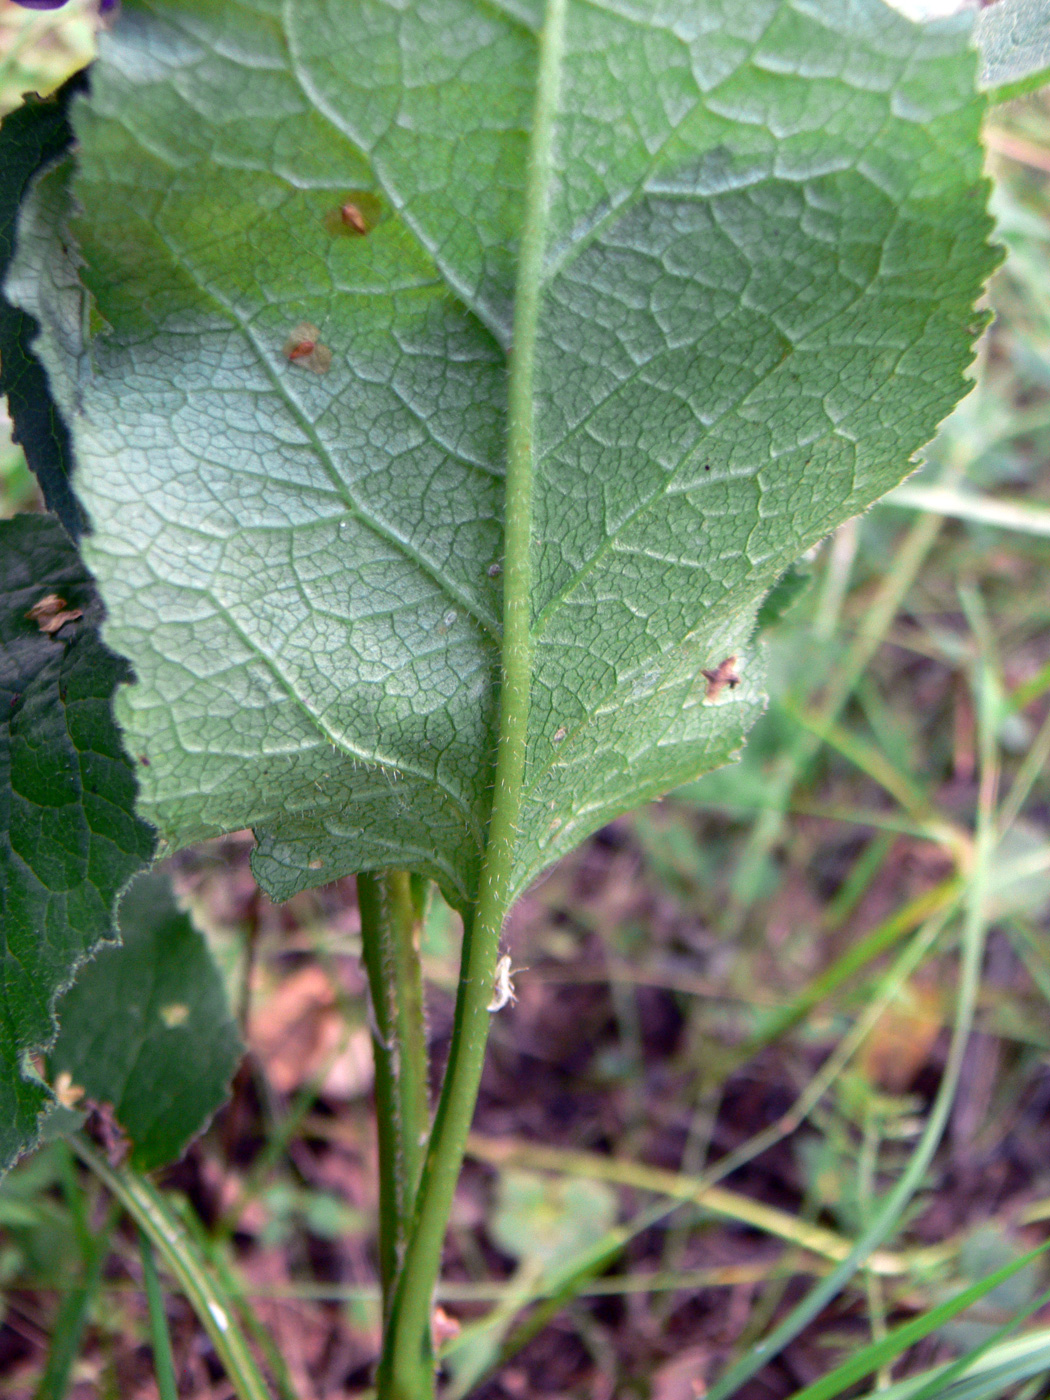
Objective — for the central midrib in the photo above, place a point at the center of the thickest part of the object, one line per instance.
(517, 647)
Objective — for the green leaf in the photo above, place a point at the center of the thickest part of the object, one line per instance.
(69, 839)
(146, 1028)
(755, 238)
(1014, 39)
(30, 138)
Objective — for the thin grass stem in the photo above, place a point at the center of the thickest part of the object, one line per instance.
(213, 1308)
(163, 1361)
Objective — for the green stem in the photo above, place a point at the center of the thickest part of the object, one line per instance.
(390, 934)
(163, 1363)
(406, 1371)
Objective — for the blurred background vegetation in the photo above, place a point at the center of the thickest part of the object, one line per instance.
(755, 979)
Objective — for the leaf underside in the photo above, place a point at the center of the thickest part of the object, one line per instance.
(69, 839)
(765, 232)
(146, 1028)
(1014, 40)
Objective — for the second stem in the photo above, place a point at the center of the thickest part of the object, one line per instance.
(391, 926)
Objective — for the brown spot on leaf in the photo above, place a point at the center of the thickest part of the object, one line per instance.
(51, 613)
(723, 675)
(355, 216)
(304, 347)
(66, 1092)
(301, 349)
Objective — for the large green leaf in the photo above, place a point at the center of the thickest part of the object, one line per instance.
(146, 1028)
(69, 840)
(757, 231)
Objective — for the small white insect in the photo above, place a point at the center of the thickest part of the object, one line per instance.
(503, 987)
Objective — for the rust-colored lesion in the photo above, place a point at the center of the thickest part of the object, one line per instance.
(303, 347)
(355, 216)
(723, 676)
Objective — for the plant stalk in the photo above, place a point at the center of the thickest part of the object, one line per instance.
(390, 938)
(163, 1362)
(406, 1371)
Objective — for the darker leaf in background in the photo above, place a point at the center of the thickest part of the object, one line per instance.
(146, 1027)
(69, 838)
(30, 138)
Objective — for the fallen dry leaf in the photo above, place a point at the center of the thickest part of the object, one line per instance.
(299, 1030)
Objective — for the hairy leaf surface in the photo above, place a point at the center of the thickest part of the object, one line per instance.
(146, 1028)
(69, 839)
(760, 231)
(1014, 39)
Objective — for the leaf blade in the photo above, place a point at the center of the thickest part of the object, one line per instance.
(762, 240)
(69, 840)
(146, 1028)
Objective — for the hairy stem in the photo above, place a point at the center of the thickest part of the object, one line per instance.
(406, 1370)
(390, 933)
